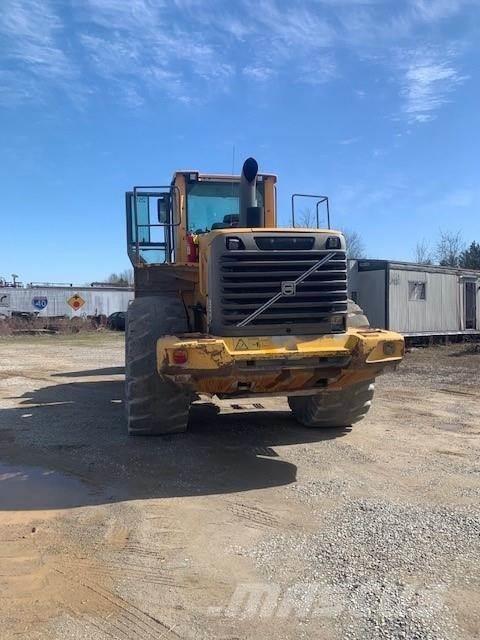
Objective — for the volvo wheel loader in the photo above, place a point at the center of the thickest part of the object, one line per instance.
(228, 304)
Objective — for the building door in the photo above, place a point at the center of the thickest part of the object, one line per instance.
(470, 305)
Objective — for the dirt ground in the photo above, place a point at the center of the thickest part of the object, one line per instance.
(249, 525)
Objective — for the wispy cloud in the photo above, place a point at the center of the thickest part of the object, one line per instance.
(16, 89)
(460, 198)
(319, 70)
(432, 10)
(444, 205)
(258, 73)
(295, 41)
(33, 52)
(141, 42)
(140, 50)
(349, 141)
(429, 77)
(112, 14)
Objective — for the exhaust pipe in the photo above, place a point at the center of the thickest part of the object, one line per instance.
(250, 215)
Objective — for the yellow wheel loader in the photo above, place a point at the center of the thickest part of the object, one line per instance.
(229, 304)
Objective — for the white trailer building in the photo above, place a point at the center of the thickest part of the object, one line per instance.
(416, 299)
(64, 301)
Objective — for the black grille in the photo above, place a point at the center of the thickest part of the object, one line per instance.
(248, 279)
(275, 243)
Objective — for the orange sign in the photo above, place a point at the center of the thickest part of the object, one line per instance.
(76, 302)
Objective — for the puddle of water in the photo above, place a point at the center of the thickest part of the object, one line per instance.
(33, 488)
(446, 426)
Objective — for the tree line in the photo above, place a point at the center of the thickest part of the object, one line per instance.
(122, 279)
(450, 250)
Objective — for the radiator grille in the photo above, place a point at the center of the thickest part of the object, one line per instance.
(248, 279)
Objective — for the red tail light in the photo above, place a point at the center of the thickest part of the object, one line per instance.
(180, 356)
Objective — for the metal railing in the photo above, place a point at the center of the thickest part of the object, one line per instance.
(320, 200)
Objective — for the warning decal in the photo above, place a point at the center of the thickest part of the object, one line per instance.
(76, 302)
(246, 344)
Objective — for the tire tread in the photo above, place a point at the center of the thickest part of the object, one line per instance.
(339, 408)
(155, 405)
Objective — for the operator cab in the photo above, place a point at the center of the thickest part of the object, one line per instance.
(160, 218)
(165, 222)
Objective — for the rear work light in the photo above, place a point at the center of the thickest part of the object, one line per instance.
(333, 242)
(337, 323)
(180, 356)
(234, 244)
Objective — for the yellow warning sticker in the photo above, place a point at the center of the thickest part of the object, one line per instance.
(247, 344)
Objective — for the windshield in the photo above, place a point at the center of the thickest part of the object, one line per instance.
(213, 202)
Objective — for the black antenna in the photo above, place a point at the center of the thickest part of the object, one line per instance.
(233, 168)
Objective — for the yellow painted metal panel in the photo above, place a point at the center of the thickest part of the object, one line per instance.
(218, 365)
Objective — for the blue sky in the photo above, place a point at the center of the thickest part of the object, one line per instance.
(373, 102)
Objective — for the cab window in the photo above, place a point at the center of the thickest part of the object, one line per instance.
(213, 202)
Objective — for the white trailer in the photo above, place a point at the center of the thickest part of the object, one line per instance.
(415, 299)
(64, 301)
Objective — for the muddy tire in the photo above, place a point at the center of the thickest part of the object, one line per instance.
(154, 404)
(334, 408)
(355, 316)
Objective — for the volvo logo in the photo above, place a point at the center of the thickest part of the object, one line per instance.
(289, 288)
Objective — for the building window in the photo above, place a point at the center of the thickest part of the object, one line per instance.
(354, 296)
(417, 290)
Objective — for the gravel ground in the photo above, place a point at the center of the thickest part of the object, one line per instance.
(382, 559)
(248, 525)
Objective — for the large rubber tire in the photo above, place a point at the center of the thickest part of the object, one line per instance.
(337, 408)
(334, 408)
(154, 404)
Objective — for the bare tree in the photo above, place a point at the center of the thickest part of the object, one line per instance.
(355, 244)
(449, 248)
(423, 252)
(122, 279)
(306, 219)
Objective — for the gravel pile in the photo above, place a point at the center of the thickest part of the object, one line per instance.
(331, 488)
(390, 565)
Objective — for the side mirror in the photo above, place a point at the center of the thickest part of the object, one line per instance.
(163, 208)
